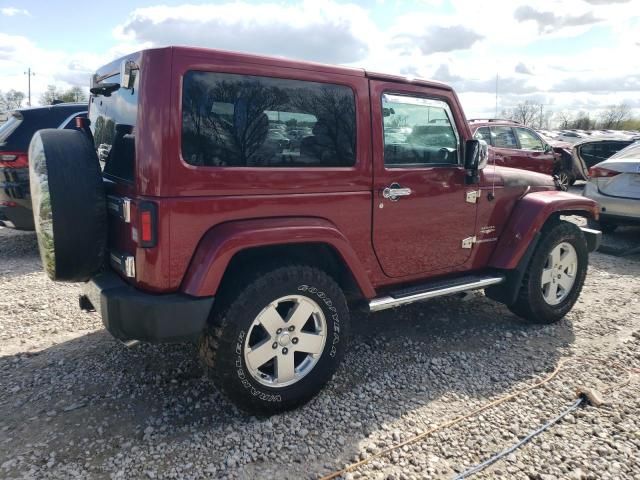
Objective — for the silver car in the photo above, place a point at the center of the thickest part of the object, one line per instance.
(615, 185)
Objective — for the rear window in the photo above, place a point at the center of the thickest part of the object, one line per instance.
(113, 121)
(233, 120)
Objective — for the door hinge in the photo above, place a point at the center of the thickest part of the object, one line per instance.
(473, 196)
(468, 242)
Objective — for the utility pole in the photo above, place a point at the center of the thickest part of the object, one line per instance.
(541, 107)
(29, 74)
(496, 116)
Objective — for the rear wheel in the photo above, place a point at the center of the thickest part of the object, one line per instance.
(555, 275)
(279, 341)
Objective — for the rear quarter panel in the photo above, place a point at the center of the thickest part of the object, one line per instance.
(194, 199)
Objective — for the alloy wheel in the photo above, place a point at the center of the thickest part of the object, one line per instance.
(559, 273)
(285, 341)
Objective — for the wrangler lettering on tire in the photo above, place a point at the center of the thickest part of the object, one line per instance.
(279, 341)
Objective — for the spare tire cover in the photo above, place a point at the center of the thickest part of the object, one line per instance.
(69, 205)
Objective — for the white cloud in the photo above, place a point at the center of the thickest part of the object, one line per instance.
(465, 48)
(59, 68)
(13, 11)
(322, 30)
(438, 38)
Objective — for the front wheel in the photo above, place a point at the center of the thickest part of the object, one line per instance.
(279, 341)
(565, 179)
(555, 275)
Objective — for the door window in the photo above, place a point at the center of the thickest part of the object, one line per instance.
(529, 140)
(418, 131)
(503, 137)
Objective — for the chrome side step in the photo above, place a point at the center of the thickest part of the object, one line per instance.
(437, 289)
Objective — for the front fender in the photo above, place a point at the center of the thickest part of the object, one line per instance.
(222, 242)
(527, 219)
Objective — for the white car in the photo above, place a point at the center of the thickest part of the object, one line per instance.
(615, 185)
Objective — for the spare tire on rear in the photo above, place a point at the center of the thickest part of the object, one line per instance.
(69, 205)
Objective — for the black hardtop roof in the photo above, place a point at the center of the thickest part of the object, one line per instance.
(222, 55)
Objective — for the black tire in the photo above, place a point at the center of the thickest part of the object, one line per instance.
(604, 227)
(530, 304)
(222, 346)
(69, 204)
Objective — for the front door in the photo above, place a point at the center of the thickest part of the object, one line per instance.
(421, 214)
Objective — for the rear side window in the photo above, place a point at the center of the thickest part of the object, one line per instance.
(417, 131)
(597, 152)
(483, 133)
(113, 122)
(529, 140)
(503, 137)
(233, 120)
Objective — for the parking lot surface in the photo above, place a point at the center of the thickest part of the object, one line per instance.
(75, 403)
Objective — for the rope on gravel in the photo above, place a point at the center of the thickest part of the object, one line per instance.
(481, 466)
(582, 393)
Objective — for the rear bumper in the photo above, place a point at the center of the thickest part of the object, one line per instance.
(613, 207)
(129, 314)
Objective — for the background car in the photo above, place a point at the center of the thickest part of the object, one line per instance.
(596, 150)
(514, 145)
(15, 135)
(615, 185)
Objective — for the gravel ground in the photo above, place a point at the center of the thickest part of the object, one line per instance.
(74, 403)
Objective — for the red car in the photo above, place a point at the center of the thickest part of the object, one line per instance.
(514, 145)
(199, 227)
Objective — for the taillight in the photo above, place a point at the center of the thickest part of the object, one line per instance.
(599, 172)
(14, 159)
(8, 204)
(147, 224)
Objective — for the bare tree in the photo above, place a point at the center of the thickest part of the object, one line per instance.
(12, 99)
(564, 118)
(582, 122)
(527, 113)
(50, 95)
(615, 115)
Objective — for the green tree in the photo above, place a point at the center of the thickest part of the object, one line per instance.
(50, 95)
(74, 94)
(53, 94)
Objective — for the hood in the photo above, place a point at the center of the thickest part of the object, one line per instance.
(514, 177)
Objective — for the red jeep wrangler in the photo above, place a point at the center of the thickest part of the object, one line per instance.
(248, 201)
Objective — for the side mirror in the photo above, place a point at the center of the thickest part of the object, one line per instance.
(476, 156)
(128, 71)
(548, 148)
